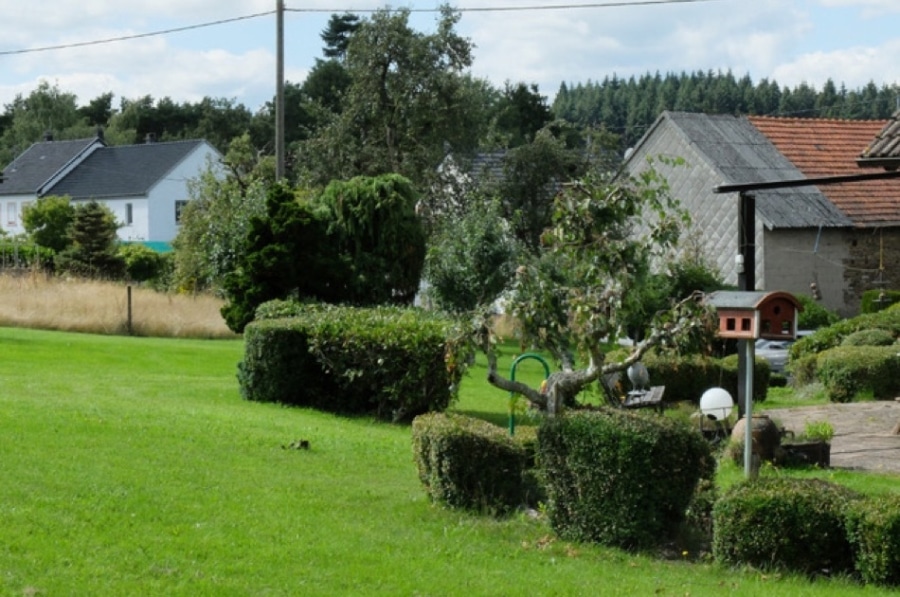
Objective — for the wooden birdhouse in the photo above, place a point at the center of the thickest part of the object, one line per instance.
(751, 315)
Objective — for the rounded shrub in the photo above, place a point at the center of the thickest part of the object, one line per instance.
(619, 478)
(469, 463)
(870, 337)
(847, 370)
(784, 523)
(873, 527)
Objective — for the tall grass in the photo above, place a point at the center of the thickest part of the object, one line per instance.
(131, 466)
(34, 300)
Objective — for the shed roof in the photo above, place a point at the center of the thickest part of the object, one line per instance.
(884, 150)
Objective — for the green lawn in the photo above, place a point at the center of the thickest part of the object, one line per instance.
(133, 467)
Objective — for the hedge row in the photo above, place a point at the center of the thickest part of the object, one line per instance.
(20, 256)
(619, 478)
(389, 362)
(469, 463)
(846, 371)
(687, 377)
(809, 526)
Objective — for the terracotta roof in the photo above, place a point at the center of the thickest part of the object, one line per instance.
(884, 150)
(826, 147)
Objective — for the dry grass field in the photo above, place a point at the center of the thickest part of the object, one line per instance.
(37, 301)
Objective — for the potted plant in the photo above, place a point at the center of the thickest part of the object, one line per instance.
(812, 447)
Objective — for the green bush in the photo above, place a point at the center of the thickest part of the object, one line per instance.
(469, 463)
(687, 377)
(878, 300)
(873, 527)
(847, 370)
(619, 478)
(25, 255)
(141, 262)
(386, 361)
(814, 315)
(784, 523)
(871, 337)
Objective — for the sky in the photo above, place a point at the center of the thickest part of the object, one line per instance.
(851, 42)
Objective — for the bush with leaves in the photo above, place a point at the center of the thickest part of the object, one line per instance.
(873, 527)
(93, 251)
(620, 478)
(784, 523)
(47, 221)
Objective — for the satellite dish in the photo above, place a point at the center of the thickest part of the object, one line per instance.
(716, 403)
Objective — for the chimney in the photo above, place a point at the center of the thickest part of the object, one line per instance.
(48, 135)
(150, 138)
(100, 133)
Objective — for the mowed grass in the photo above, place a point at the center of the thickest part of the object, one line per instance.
(131, 466)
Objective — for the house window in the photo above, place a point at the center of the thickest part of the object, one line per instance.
(11, 214)
(129, 214)
(179, 206)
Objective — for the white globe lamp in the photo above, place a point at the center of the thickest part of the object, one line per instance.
(716, 403)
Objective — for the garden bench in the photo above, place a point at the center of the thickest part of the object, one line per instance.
(652, 398)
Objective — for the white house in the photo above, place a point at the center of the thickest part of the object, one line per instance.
(144, 185)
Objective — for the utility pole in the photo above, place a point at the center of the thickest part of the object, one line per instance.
(279, 91)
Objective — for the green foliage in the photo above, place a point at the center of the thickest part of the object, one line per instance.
(471, 260)
(20, 255)
(47, 221)
(142, 263)
(93, 251)
(469, 463)
(873, 527)
(821, 431)
(814, 315)
(784, 523)
(404, 106)
(878, 300)
(870, 337)
(338, 33)
(212, 234)
(619, 478)
(288, 254)
(388, 362)
(687, 377)
(375, 231)
(848, 370)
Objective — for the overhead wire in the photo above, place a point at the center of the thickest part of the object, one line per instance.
(520, 8)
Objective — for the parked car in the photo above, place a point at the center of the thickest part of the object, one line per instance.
(777, 352)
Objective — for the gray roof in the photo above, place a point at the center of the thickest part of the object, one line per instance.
(34, 167)
(742, 154)
(125, 170)
(884, 151)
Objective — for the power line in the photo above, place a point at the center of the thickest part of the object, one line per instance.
(513, 8)
(110, 40)
(523, 8)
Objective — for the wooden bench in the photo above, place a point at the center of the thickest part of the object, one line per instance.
(652, 398)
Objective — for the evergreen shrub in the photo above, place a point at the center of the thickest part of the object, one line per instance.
(873, 527)
(870, 337)
(784, 523)
(620, 478)
(390, 362)
(687, 377)
(469, 463)
(847, 370)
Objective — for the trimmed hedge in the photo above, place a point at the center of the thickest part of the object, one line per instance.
(784, 523)
(687, 377)
(469, 463)
(619, 478)
(389, 362)
(873, 528)
(872, 337)
(847, 370)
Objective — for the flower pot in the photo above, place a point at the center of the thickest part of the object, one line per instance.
(764, 433)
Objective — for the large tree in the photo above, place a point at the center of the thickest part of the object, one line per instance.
(358, 243)
(404, 107)
(215, 223)
(569, 299)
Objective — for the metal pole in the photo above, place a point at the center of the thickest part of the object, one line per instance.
(279, 91)
(748, 408)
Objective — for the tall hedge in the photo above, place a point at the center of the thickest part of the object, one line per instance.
(847, 370)
(619, 478)
(873, 527)
(687, 377)
(390, 362)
